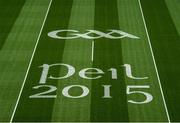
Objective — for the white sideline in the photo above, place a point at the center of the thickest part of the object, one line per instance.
(15, 108)
(159, 81)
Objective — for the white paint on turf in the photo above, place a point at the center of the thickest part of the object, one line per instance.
(92, 51)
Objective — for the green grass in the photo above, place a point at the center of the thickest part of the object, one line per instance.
(106, 50)
(16, 52)
(173, 7)
(76, 52)
(138, 54)
(166, 45)
(21, 36)
(8, 14)
(48, 51)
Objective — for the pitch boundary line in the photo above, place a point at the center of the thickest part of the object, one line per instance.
(154, 61)
(20, 93)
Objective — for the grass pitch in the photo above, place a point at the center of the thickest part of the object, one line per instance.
(89, 61)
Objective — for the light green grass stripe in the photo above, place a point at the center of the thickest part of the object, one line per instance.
(77, 52)
(174, 8)
(137, 53)
(15, 55)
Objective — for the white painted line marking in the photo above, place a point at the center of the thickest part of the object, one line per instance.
(17, 102)
(92, 51)
(159, 81)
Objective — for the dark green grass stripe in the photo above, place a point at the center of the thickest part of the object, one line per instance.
(166, 45)
(108, 53)
(9, 11)
(49, 51)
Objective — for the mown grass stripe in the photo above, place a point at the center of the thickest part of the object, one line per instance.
(22, 87)
(165, 43)
(136, 52)
(107, 54)
(10, 10)
(152, 53)
(48, 51)
(77, 52)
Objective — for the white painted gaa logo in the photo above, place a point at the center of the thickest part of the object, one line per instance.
(73, 34)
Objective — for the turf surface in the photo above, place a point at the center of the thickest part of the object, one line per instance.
(106, 17)
(138, 54)
(77, 53)
(165, 43)
(9, 12)
(48, 52)
(16, 53)
(20, 35)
